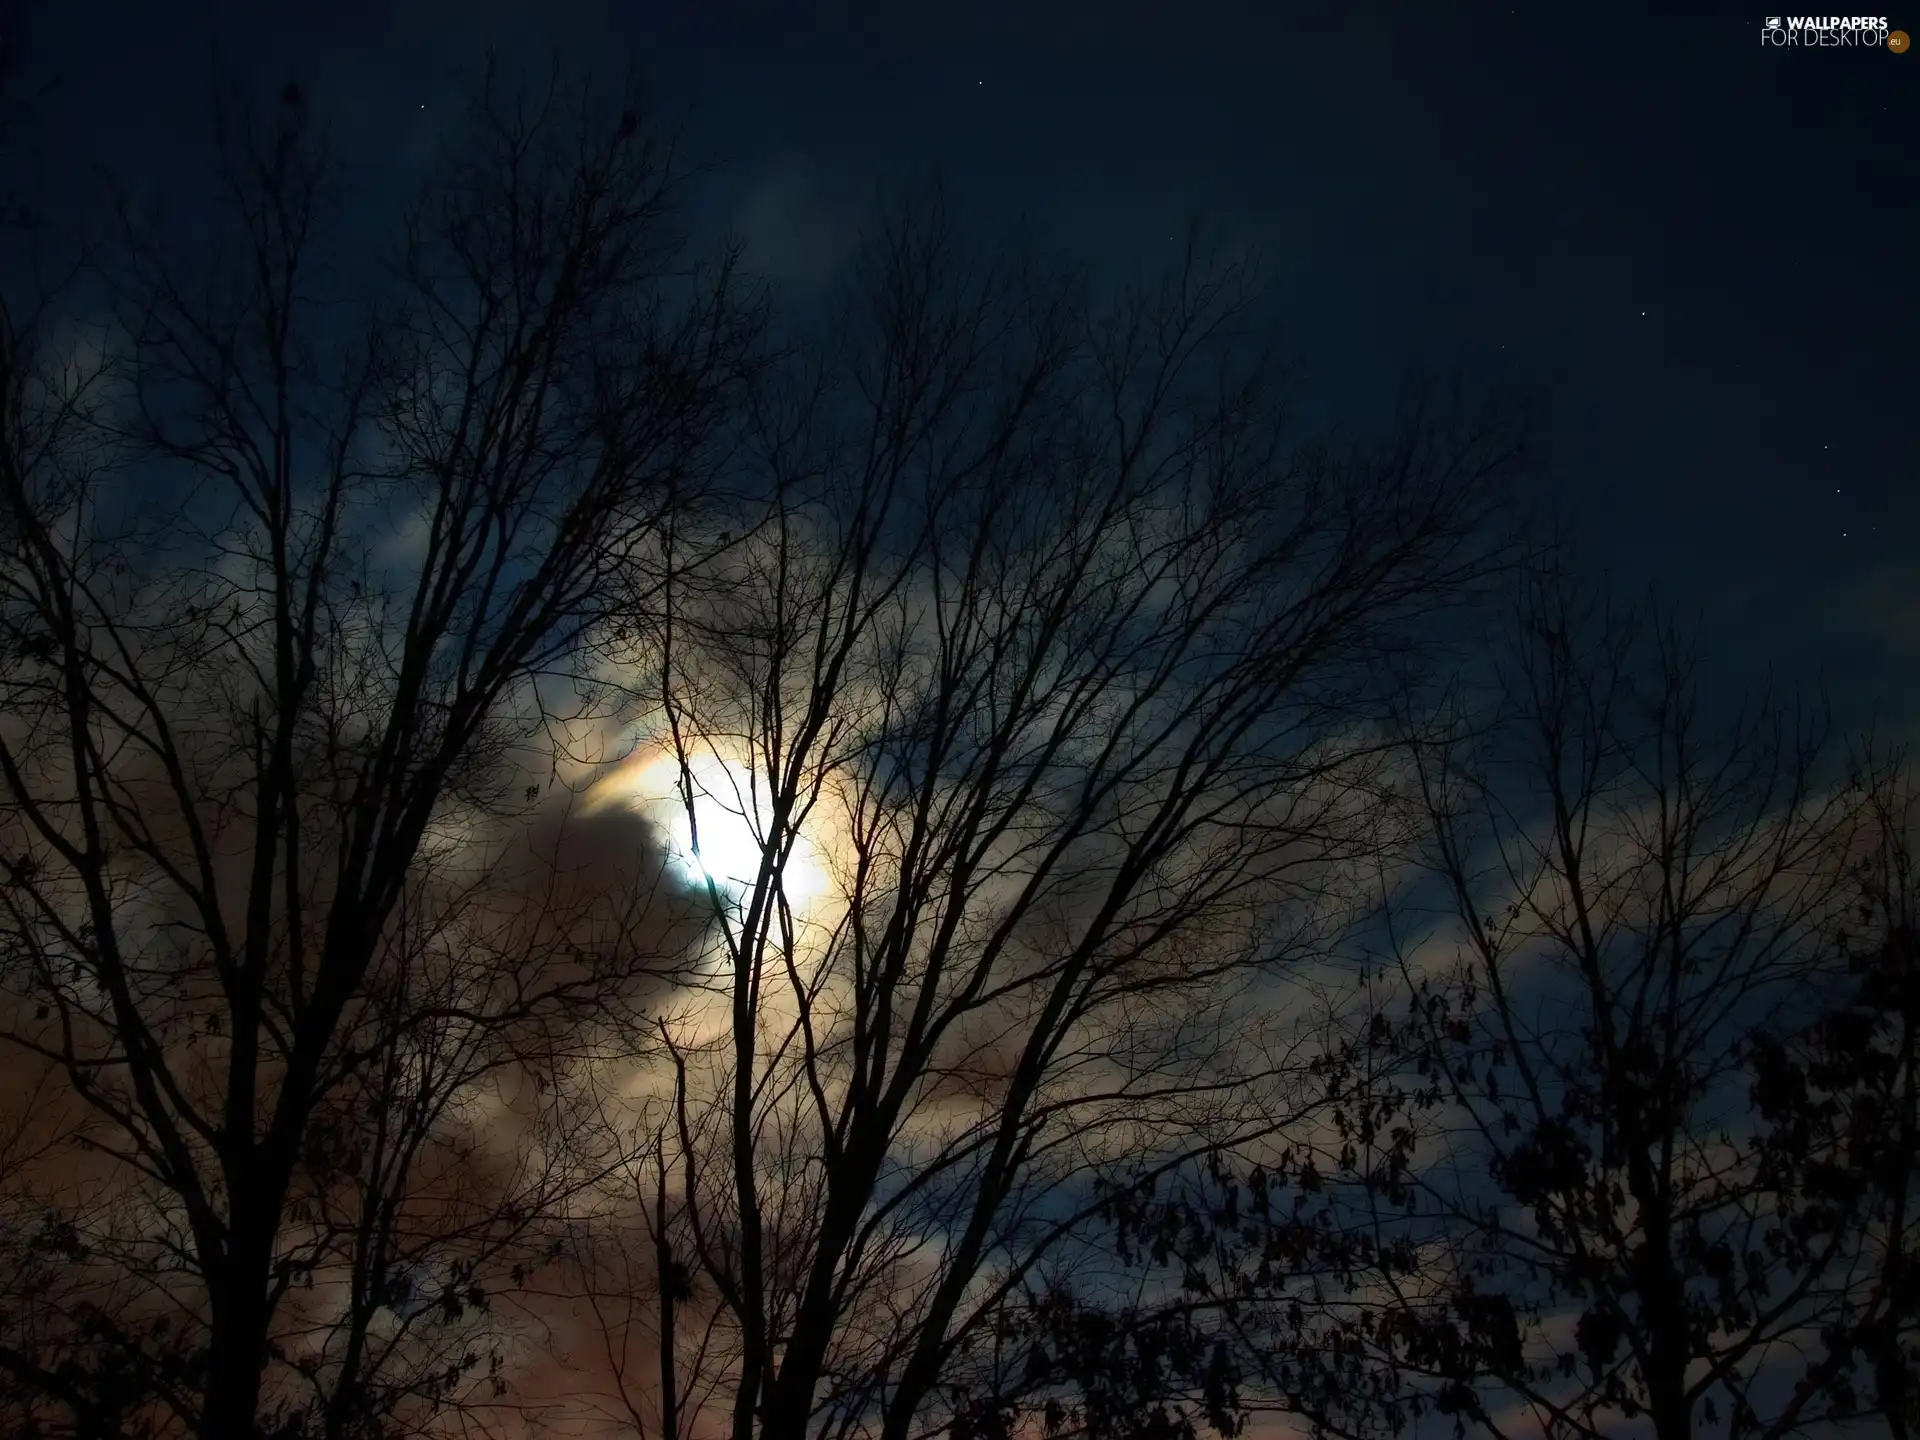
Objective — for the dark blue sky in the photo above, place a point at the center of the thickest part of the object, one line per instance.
(1700, 253)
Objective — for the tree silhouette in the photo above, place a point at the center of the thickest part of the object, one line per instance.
(1620, 1139)
(1841, 1097)
(1654, 891)
(304, 587)
(1058, 657)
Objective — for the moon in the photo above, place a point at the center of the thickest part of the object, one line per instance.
(719, 839)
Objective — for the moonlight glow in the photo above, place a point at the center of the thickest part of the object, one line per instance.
(721, 838)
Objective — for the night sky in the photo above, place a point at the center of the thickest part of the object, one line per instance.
(1700, 255)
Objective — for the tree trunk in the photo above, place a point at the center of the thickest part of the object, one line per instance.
(1666, 1368)
(237, 1350)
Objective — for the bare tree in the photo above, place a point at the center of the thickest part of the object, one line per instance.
(291, 637)
(1622, 1137)
(1841, 1098)
(1642, 892)
(1022, 745)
